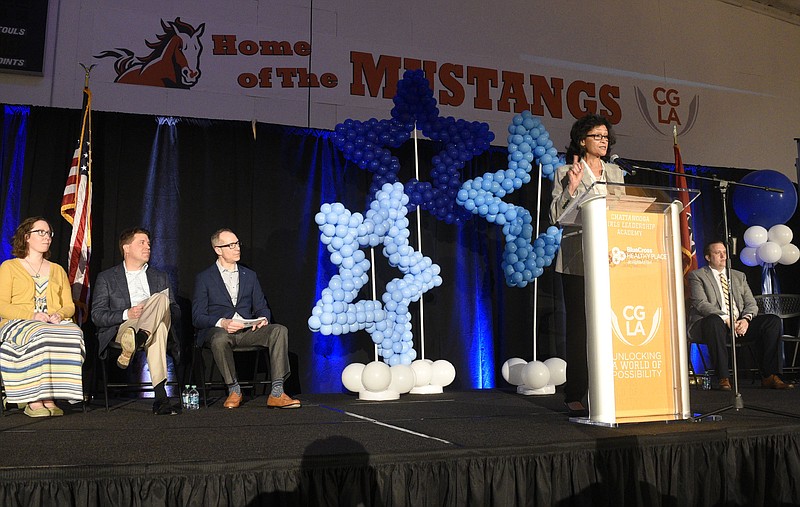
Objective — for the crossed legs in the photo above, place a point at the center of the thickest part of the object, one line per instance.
(155, 321)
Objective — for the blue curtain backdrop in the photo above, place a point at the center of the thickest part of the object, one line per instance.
(185, 179)
(161, 198)
(12, 155)
(327, 172)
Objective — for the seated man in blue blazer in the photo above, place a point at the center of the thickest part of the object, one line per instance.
(227, 299)
(134, 305)
(709, 315)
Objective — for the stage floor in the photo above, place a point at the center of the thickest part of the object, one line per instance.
(338, 431)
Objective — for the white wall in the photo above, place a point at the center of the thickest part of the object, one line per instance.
(740, 66)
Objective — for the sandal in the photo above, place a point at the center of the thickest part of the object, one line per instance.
(54, 410)
(37, 412)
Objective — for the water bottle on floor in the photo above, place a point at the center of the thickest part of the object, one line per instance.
(185, 401)
(194, 395)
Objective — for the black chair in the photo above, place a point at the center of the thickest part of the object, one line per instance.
(754, 370)
(787, 307)
(711, 371)
(2, 396)
(203, 355)
(706, 370)
(111, 353)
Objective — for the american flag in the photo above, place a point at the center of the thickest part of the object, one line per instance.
(688, 249)
(76, 208)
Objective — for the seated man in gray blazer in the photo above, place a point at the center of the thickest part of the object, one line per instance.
(134, 305)
(227, 300)
(709, 318)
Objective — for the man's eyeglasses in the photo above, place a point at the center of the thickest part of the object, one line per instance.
(232, 246)
(42, 233)
(598, 137)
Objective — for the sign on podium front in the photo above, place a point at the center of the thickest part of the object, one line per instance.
(635, 310)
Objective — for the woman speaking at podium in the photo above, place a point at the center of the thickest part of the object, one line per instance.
(590, 139)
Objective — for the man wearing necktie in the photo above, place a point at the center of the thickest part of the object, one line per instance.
(709, 318)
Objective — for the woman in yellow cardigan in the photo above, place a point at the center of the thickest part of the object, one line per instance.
(41, 351)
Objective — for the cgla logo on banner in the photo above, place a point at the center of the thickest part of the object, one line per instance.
(634, 318)
(665, 104)
(174, 61)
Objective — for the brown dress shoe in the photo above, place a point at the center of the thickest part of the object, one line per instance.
(775, 382)
(233, 400)
(725, 384)
(282, 401)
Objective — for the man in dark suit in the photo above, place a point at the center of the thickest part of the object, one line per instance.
(133, 304)
(227, 301)
(709, 318)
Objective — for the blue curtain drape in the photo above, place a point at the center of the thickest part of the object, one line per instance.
(161, 199)
(327, 172)
(12, 157)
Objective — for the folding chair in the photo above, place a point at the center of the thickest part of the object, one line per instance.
(202, 353)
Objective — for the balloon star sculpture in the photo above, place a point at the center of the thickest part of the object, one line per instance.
(528, 142)
(345, 233)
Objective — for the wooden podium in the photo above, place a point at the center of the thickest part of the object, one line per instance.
(635, 310)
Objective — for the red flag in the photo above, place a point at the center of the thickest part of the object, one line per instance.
(76, 208)
(689, 254)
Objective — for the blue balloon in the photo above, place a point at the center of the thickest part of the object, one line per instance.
(761, 207)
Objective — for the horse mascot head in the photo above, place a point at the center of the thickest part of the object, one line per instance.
(173, 62)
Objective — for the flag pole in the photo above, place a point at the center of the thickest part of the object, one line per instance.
(76, 207)
(87, 71)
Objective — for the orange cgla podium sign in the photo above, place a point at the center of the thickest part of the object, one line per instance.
(635, 315)
(642, 346)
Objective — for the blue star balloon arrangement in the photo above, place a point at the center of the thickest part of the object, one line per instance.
(345, 233)
(528, 142)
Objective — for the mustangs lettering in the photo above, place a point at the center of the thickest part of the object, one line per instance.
(174, 61)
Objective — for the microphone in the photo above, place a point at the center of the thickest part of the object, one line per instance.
(616, 159)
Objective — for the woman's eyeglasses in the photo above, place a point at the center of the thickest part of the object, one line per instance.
(598, 137)
(42, 233)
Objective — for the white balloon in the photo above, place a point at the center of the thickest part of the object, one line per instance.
(506, 370)
(535, 374)
(755, 236)
(558, 370)
(422, 369)
(376, 376)
(442, 373)
(748, 256)
(351, 377)
(403, 378)
(780, 234)
(789, 254)
(515, 374)
(769, 253)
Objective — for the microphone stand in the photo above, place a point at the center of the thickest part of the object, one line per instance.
(722, 185)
